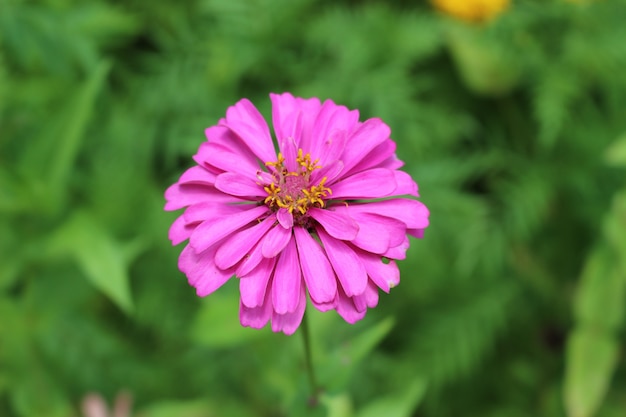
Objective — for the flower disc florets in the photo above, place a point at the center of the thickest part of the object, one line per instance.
(269, 219)
(291, 190)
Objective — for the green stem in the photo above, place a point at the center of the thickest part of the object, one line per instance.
(306, 337)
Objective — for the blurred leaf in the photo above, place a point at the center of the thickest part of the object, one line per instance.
(217, 323)
(616, 153)
(72, 126)
(198, 408)
(344, 359)
(600, 299)
(338, 405)
(102, 259)
(614, 228)
(401, 404)
(591, 360)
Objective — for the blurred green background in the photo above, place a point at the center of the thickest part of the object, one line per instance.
(514, 128)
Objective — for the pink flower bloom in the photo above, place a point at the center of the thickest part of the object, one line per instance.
(324, 217)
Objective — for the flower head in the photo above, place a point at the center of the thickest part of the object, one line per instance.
(472, 10)
(324, 219)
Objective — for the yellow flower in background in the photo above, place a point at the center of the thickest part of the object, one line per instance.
(472, 10)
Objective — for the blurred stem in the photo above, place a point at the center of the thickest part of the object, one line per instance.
(306, 337)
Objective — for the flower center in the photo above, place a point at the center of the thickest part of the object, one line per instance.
(292, 189)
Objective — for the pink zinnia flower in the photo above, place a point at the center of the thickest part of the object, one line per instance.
(324, 217)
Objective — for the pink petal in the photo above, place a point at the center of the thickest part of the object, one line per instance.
(285, 218)
(285, 115)
(179, 196)
(347, 265)
(374, 183)
(318, 274)
(222, 135)
(210, 232)
(288, 323)
(367, 137)
(413, 213)
(251, 260)
(225, 160)
(399, 251)
(212, 211)
(287, 281)
(347, 309)
(369, 298)
(392, 163)
(331, 148)
(404, 184)
(289, 149)
(333, 121)
(377, 233)
(238, 185)
(197, 175)
(373, 159)
(275, 241)
(326, 306)
(256, 317)
(246, 121)
(236, 246)
(384, 275)
(180, 231)
(253, 286)
(201, 270)
(338, 225)
(331, 171)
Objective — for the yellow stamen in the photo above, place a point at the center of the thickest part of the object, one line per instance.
(291, 189)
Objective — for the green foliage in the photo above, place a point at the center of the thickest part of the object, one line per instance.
(512, 304)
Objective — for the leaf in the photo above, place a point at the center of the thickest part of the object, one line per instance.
(339, 405)
(347, 357)
(198, 408)
(401, 404)
(77, 115)
(217, 323)
(101, 258)
(600, 298)
(591, 359)
(616, 153)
